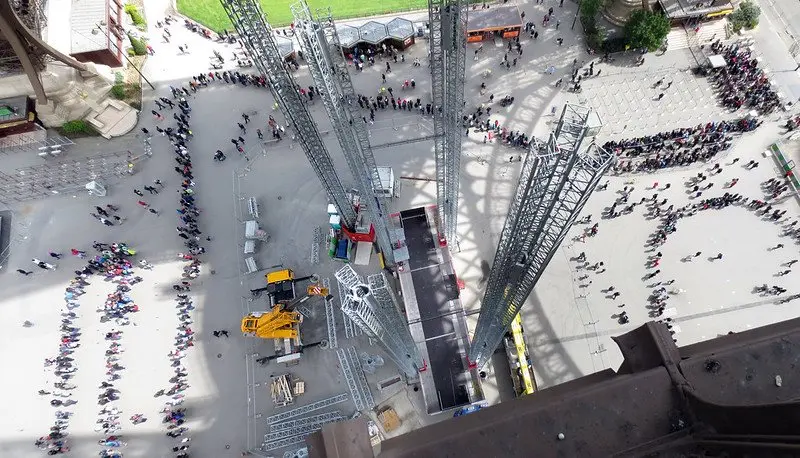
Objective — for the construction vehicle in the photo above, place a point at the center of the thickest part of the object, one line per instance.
(274, 324)
(281, 286)
(282, 321)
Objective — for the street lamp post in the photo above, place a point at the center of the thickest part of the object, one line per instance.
(99, 28)
(575, 19)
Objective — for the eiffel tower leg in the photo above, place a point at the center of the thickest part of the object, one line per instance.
(24, 43)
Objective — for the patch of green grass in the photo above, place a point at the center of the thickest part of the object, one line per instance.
(210, 12)
(77, 129)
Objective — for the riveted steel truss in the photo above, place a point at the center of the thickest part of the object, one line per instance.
(259, 40)
(373, 307)
(320, 44)
(448, 51)
(557, 179)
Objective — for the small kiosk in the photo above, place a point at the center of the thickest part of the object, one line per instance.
(401, 32)
(496, 20)
(348, 37)
(285, 47)
(373, 33)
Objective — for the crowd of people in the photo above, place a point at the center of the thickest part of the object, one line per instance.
(741, 83)
(676, 148)
(113, 264)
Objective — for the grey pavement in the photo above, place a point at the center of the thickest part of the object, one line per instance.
(568, 334)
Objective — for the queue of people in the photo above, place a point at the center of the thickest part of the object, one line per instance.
(679, 147)
(112, 262)
(189, 231)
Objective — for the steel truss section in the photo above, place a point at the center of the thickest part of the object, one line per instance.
(373, 308)
(347, 371)
(315, 245)
(320, 44)
(330, 318)
(259, 40)
(305, 421)
(349, 331)
(361, 378)
(448, 22)
(283, 416)
(301, 429)
(557, 179)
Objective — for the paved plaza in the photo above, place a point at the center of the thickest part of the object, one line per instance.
(569, 319)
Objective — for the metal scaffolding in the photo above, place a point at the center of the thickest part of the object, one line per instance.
(557, 179)
(328, 67)
(259, 40)
(284, 416)
(448, 52)
(330, 318)
(353, 376)
(373, 308)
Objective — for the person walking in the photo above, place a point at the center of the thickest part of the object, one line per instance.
(53, 254)
(24, 272)
(224, 333)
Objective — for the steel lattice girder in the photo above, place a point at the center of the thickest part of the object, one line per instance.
(397, 338)
(554, 185)
(448, 22)
(320, 43)
(376, 313)
(259, 40)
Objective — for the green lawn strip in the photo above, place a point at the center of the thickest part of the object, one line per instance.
(210, 12)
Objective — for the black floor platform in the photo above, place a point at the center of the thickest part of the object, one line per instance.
(433, 291)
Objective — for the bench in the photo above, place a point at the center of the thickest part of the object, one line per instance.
(250, 263)
(252, 207)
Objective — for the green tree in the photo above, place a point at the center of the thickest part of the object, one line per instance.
(746, 16)
(138, 45)
(136, 16)
(590, 9)
(646, 29)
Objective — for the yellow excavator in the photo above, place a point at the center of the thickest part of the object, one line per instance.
(281, 322)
